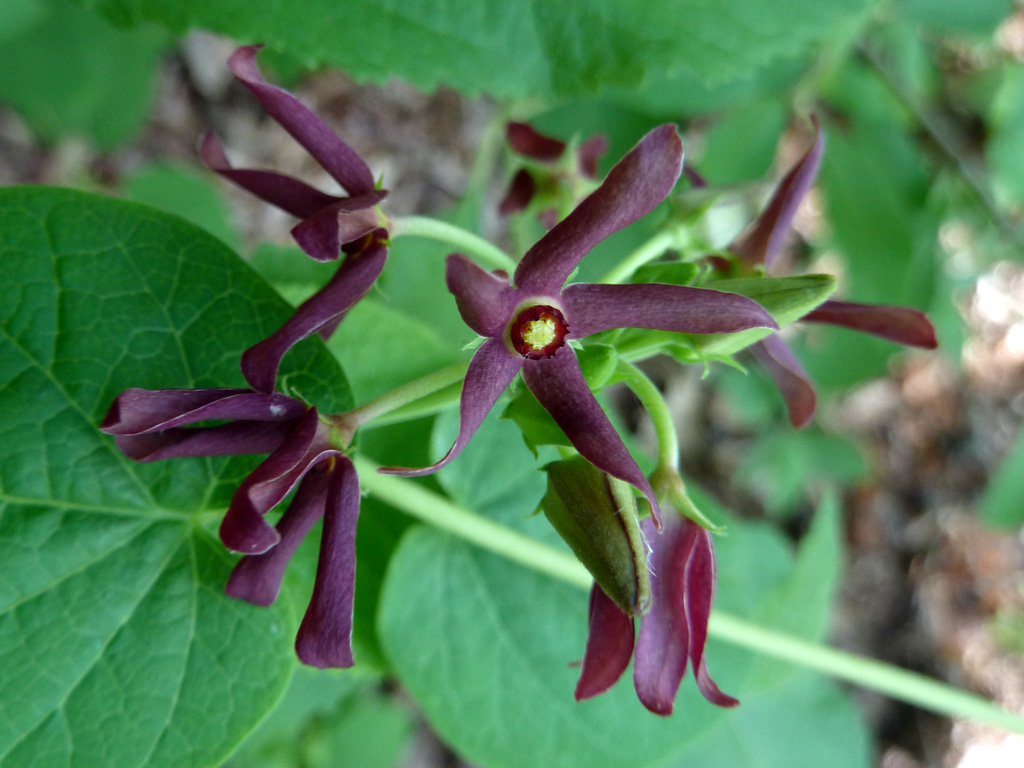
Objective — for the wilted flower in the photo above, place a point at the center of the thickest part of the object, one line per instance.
(535, 146)
(528, 321)
(672, 634)
(330, 225)
(759, 245)
(152, 424)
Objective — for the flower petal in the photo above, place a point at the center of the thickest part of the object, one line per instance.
(323, 234)
(325, 635)
(900, 324)
(528, 142)
(334, 155)
(632, 189)
(485, 300)
(350, 283)
(789, 376)
(763, 241)
(699, 595)
(257, 578)
(592, 307)
(663, 643)
(558, 384)
(139, 411)
(520, 192)
(490, 371)
(609, 646)
(243, 528)
(235, 439)
(291, 195)
(589, 153)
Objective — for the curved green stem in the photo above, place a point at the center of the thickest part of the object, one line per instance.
(671, 237)
(653, 402)
(435, 229)
(435, 509)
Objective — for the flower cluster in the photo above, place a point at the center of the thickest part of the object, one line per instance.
(660, 570)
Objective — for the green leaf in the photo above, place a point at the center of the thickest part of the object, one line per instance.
(955, 16)
(514, 50)
(742, 146)
(1002, 504)
(185, 192)
(118, 641)
(781, 466)
(536, 424)
(71, 73)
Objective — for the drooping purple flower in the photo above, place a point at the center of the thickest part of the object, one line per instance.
(528, 142)
(528, 321)
(330, 224)
(672, 634)
(149, 425)
(758, 247)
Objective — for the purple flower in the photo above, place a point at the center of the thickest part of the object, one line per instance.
(528, 321)
(760, 244)
(151, 424)
(331, 224)
(672, 634)
(527, 142)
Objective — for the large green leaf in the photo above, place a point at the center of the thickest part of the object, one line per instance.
(119, 647)
(71, 73)
(516, 49)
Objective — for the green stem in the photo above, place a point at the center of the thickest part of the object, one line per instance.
(670, 237)
(437, 510)
(415, 390)
(653, 402)
(431, 404)
(435, 229)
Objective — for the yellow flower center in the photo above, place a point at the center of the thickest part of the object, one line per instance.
(539, 333)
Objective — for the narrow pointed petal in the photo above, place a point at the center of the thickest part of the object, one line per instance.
(138, 411)
(322, 234)
(485, 300)
(699, 595)
(520, 192)
(350, 283)
(632, 189)
(593, 307)
(558, 384)
(663, 643)
(336, 157)
(789, 376)
(589, 153)
(762, 243)
(291, 195)
(693, 177)
(243, 528)
(237, 438)
(325, 635)
(490, 371)
(609, 646)
(900, 324)
(257, 578)
(527, 142)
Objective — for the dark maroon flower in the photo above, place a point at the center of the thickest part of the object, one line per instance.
(528, 321)
(529, 143)
(758, 246)
(331, 224)
(672, 634)
(151, 425)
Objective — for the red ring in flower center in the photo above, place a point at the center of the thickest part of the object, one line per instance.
(538, 331)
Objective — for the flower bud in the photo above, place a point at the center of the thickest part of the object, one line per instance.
(596, 515)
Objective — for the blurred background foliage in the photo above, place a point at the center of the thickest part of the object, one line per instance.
(919, 202)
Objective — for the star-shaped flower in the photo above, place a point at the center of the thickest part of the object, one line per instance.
(529, 320)
(153, 424)
(758, 247)
(331, 224)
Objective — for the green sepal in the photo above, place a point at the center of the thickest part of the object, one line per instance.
(534, 422)
(596, 515)
(598, 363)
